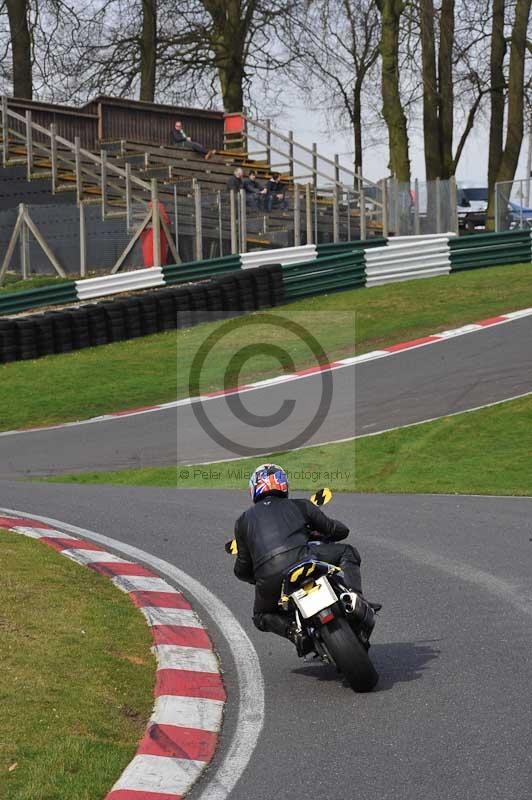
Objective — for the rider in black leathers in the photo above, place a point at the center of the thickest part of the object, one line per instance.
(274, 534)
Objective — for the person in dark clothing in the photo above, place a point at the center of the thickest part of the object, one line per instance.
(276, 193)
(274, 534)
(180, 139)
(236, 181)
(254, 192)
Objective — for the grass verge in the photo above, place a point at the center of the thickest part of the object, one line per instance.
(77, 676)
(13, 283)
(478, 452)
(156, 369)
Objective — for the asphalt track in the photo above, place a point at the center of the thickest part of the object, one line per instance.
(446, 377)
(451, 718)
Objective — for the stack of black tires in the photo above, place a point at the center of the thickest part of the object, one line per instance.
(93, 324)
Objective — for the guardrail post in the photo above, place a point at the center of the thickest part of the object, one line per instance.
(5, 132)
(29, 146)
(234, 236)
(454, 203)
(438, 205)
(297, 216)
(348, 209)
(53, 156)
(417, 225)
(385, 231)
(362, 201)
(176, 220)
(308, 213)
(220, 223)
(103, 180)
(24, 246)
(315, 165)
(198, 220)
(243, 222)
(82, 241)
(336, 215)
(336, 168)
(291, 153)
(269, 141)
(156, 223)
(79, 182)
(129, 214)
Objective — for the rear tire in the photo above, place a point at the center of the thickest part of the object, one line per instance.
(349, 655)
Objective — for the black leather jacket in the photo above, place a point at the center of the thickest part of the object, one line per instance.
(275, 525)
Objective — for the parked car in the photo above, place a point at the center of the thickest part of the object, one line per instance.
(472, 204)
(519, 216)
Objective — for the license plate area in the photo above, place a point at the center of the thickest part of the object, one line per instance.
(320, 596)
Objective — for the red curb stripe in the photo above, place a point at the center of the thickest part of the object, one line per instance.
(70, 544)
(312, 370)
(22, 522)
(185, 683)
(220, 392)
(413, 343)
(159, 599)
(132, 411)
(179, 634)
(174, 741)
(491, 321)
(134, 794)
(112, 568)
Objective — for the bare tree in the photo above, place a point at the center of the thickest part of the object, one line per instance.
(21, 47)
(148, 50)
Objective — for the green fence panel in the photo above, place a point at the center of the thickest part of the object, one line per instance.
(14, 302)
(478, 239)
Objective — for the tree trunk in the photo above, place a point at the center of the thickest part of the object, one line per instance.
(515, 120)
(230, 29)
(498, 51)
(392, 107)
(445, 86)
(431, 131)
(357, 125)
(148, 50)
(231, 74)
(21, 47)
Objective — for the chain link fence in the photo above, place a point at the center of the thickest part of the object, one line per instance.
(421, 207)
(512, 205)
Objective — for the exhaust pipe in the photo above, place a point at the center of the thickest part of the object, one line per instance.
(347, 600)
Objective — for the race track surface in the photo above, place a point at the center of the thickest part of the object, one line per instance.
(451, 718)
(446, 377)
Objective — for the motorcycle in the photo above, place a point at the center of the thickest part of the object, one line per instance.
(336, 621)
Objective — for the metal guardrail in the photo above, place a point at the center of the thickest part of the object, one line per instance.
(15, 302)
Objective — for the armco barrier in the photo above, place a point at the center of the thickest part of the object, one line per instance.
(113, 284)
(408, 258)
(14, 302)
(327, 274)
(200, 270)
(284, 255)
(332, 248)
(126, 318)
(490, 249)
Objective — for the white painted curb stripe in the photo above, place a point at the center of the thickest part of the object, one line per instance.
(192, 712)
(171, 616)
(159, 774)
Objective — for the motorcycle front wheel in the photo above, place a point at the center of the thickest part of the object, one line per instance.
(349, 655)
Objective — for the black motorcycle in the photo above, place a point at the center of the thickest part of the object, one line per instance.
(336, 621)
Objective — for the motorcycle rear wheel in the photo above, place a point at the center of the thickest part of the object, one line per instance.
(349, 655)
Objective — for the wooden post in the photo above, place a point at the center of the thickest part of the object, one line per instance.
(308, 213)
(176, 220)
(417, 223)
(29, 146)
(384, 208)
(198, 220)
(337, 168)
(103, 188)
(42, 242)
(129, 247)
(291, 153)
(79, 181)
(243, 222)
(362, 201)
(12, 242)
(297, 216)
(129, 215)
(82, 241)
(348, 203)
(314, 165)
(24, 247)
(53, 156)
(5, 132)
(269, 141)
(234, 237)
(156, 223)
(454, 202)
(336, 214)
(220, 229)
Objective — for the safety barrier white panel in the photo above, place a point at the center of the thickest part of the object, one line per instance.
(122, 282)
(419, 257)
(282, 255)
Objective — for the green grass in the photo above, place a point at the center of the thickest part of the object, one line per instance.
(478, 452)
(77, 676)
(156, 369)
(13, 283)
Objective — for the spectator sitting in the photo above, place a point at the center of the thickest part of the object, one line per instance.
(179, 138)
(254, 191)
(235, 182)
(276, 193)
